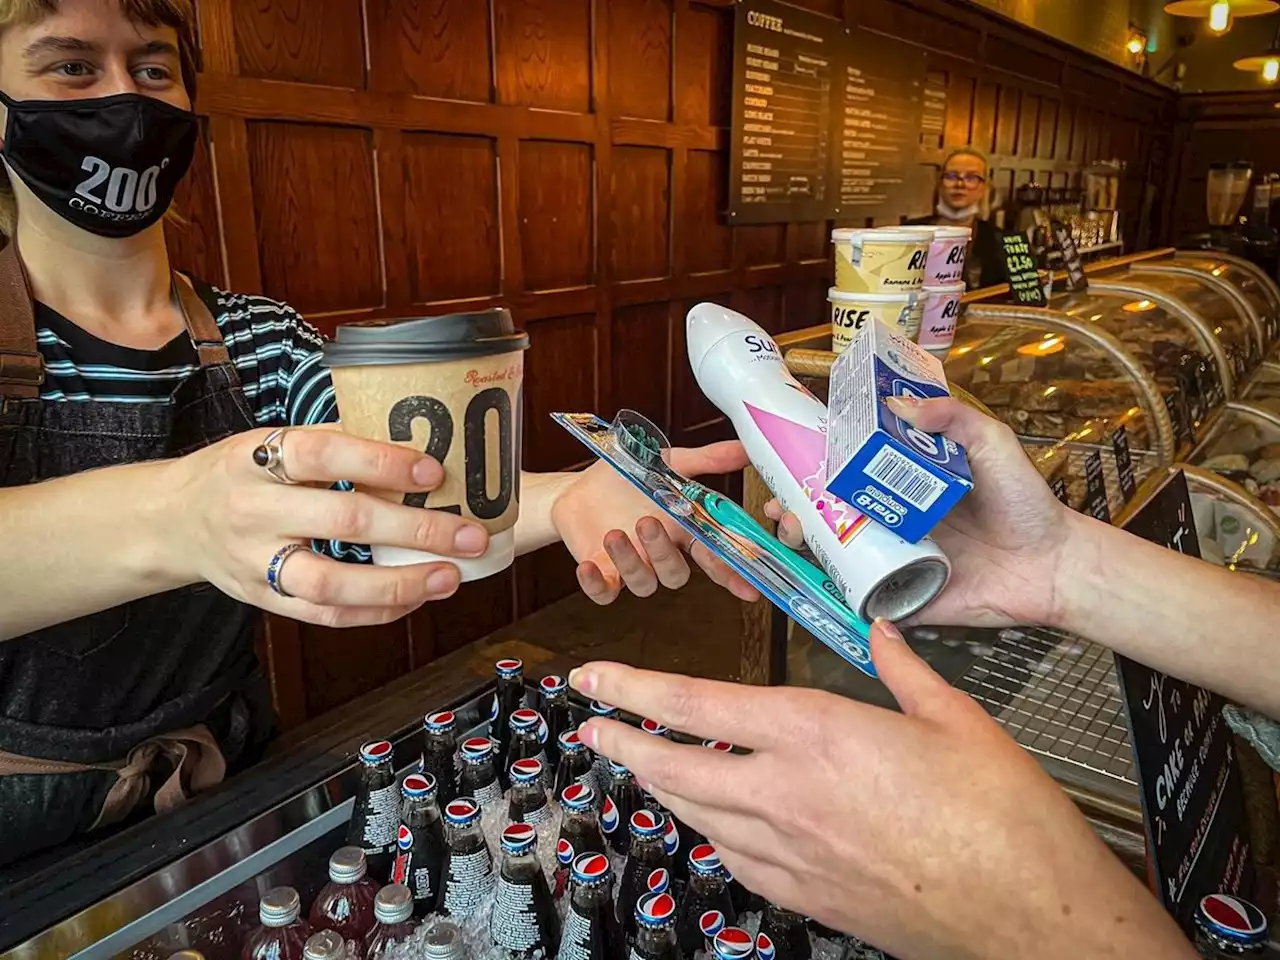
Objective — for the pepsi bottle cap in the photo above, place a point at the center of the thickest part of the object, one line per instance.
(393, 904)
(462, 812)
(654, 727)
(647, 823)
(347, 865)
(591, 868)
(524, 719)
(378, 751)
(571, 743)
(553, 685)
(765, 950)
(519, 839)
(509, 669)
(279, 907)
(442, 722)
(659, 881)
(526, 771)
(732, 943)
(603, 709)
(578, 797)
(656, 910)
(618, 770)
(720, 746)
(704, 860)
(1232, 920)
(477, 749)
(711, 923)
(419, 786)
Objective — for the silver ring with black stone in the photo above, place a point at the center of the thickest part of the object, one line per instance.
(269, 455)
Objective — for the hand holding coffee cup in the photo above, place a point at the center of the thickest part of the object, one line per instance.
(450, 387)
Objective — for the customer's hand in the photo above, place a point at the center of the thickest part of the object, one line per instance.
(237, 517)
(1005, 539)
(929, 833)
(620, 538)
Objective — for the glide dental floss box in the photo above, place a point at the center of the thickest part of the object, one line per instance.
(903, 478)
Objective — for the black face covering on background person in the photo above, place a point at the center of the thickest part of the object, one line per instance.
(108, 165)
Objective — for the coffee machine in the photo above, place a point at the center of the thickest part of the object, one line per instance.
(1252, 237)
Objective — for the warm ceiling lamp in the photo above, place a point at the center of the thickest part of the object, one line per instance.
(1220, 13)
(1267, 63)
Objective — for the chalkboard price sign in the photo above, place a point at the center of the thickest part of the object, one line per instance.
(1124, 463)
(1192, 801)
(1059, 487)
(1077, 282)
(1024, 275)
(1095, 485)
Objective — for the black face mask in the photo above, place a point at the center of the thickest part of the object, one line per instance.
(109, 165)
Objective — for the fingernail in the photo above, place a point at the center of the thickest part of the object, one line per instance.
(902, 403)
(443, 582)
(582, 680)
(649, 532)
(587, 734)
(426, 471)
(889, 630)
(471, 540)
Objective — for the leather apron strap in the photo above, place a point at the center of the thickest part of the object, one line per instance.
(21, 367)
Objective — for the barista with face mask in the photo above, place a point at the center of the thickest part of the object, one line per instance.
(962, 200)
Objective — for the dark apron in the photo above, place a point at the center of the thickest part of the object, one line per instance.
(147, 703)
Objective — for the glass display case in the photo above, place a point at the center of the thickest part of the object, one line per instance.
(1259, 289)
(1263, 388)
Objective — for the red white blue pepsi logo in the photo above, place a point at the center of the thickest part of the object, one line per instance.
(477, 748)
(418, 785)
(653, 727)
(671, 838)
(704, 858)
(527, 769)
(511, 665)
(711, 923)
(656, 908)
(564, 851)
(765, 950)
(609, 816)
(493, 710)
(404, 839)
(570, 741)
(719, 746)
(553, 684)
(645, 822)
(733, 943)
(1232, 917)
(462, 810)
(544, 732)
(659, 881)
(519, 833)
(603, 709)
(578, 796)
(591, 866)
(376, 751)
(524, 719)
(441, 720)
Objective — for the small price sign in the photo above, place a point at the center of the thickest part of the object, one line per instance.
(1023, 272)
(1077, 282)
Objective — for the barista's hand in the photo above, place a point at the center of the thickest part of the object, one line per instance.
(929, 833)
(619, 537)
(237, 517)
(1005, 539)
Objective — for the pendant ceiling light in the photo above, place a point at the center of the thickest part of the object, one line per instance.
(1266, 63)
(1220, 13)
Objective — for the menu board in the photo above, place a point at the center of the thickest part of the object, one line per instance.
(881, 115)
(933, 112)
(784, 69)
(1020, 267)
(1192, 800)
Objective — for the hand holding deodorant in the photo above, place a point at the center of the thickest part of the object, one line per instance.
(783, 428)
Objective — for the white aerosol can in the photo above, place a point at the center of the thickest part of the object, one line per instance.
(784, 430)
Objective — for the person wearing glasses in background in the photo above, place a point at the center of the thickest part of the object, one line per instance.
(962, 202)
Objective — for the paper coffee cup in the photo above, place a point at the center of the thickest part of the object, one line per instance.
(947, 255)
(940, 314)
(450, 387)
(852, 312)
(881, 260)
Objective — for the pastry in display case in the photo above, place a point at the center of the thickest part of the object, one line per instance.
(1235, 530)
(1257, 288)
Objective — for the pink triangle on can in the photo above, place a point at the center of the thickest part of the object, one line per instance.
(803, 451)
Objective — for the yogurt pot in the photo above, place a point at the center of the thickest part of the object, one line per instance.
(941, 311)
(881, 260)
(947, 254)
(852, 312)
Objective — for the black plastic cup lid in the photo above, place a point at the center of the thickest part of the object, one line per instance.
(453, 336)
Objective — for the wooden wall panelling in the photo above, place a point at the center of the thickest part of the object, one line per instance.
(195, 241)
(393, 219)
(639, 73)
(307, 41)
(543, 53)
(229, 151)
(556, 223)
(431, 48)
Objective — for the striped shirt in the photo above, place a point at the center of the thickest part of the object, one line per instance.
(275, 352)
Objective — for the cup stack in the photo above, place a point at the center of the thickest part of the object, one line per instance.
(943, 288)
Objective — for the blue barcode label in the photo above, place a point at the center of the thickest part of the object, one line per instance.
(902, 477)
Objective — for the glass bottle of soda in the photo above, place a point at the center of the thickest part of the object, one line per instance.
(528, 802)
(326, 945)
(707, 890)
(719, 746)
(393, 909)
(787, 933)
(376, 817)
(655, 729)
(579, 832)
(283, 933)
(646, 855)
(420, 846)
(345, 904)
(528, 740)
(622, 798)
(508, 698)
(555, 710)
(444, 941)
(733, 943)
(1227, 926)
(525, 925)
(440, 753)
(744, 901)
(468, 869)
(711, 923)
(601, 764)
(575, 764)
(655, 928)
(479, 778)
(591, 930)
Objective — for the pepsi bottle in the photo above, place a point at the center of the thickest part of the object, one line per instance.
(655, 928)
(468, 869)
(655, 729)
(420, 848)
(787, 933)
(528, 740)
(555, 710)
(528, 802)
(575, 764)
(707, 891)
(711, 923)
(376, 816)
(622, 798)
(744, 901)
(525, 925)
(508, 698)
(600, 763)
(579, 832)
(1226, 926)
(440, 753)
(479, 778)
(647, 854)
(591, 930)
(733, 943)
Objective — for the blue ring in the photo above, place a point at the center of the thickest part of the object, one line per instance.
(277, 563)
